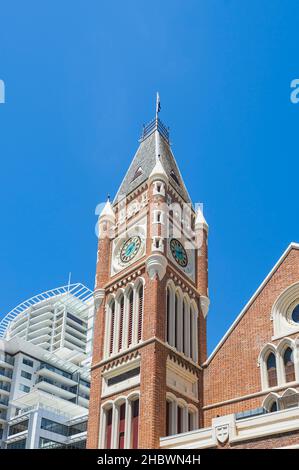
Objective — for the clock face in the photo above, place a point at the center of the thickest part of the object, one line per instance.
(178, 252)
(130, 249)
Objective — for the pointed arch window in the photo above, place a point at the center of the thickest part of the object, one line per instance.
(289, 368)
(273, 407)
(168, 315)
(140, 312)
(271, 370)
(176, 320)
(130, 318)
(112, 320)
(108, 428)
(121, 321)
(295, 314)
(135, 423)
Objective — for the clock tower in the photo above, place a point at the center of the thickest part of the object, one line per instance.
(151, 301)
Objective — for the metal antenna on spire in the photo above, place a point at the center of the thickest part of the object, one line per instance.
(158, 105)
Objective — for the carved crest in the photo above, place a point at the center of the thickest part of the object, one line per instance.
(222, 433)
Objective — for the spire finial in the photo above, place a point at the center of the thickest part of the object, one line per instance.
(158, 105)
(108, 197)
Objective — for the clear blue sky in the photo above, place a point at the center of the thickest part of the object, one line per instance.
(81, 78)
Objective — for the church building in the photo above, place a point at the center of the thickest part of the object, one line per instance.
(152, 384)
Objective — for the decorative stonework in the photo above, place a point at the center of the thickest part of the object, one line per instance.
(156, 266)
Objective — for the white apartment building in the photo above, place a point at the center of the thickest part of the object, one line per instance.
(45, 356)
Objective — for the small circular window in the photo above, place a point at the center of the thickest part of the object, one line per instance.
(295, 314)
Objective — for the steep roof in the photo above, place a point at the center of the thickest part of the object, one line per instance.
(144, 161)
(292, 246)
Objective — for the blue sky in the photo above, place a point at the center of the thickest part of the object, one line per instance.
(80, 81)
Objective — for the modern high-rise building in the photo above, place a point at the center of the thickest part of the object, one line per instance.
(152, 384)
(45, 356)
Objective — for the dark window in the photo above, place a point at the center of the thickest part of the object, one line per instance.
(135, 423)
(271, 369)
(130, 325)
(77, 428)
(168, 418)
(44, 365)
(121, 429)
(121, 322)
(52, 426)
(109, 428)
(76, 319)
(17, 445)
(289, 365)
(180, 419)
(49, 444)
(27, 362)
(176, 320)
(19, 427)
(273, 407)
(112, 327)
(174, 177)
(125, 376)
(24, 388)
(26, 375)
(295, 314)
(168, 315)
(140, 312)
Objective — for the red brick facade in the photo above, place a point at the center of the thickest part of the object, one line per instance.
(228, 382)
(153, 349)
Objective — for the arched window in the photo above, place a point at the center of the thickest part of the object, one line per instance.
(135, 424)
(183, 327)
(168, 315)
(168, 418)
(121, 426)
(108, 428)
(288, 362)
(273, 407)
(192, 419)
(180, 419)
(295, 314)
(176, 320)
(121, 321)
(112, 320)
(130, 318)
(271, 370)
(140, 312)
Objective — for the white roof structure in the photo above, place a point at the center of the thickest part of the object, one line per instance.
(75, 296)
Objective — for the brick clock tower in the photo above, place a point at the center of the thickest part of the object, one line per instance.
(151, 301)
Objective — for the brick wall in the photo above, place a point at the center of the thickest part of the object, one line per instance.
(233, 372)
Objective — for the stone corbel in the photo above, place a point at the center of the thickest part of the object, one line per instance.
(98, 296)
(204, 305)
(156, 266)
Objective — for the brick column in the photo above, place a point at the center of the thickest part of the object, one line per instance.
(152, 424)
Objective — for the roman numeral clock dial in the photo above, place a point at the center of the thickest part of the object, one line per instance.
(178, 252)
(130, 249)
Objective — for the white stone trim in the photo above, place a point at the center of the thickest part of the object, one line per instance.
(256, 427)
(116, 404)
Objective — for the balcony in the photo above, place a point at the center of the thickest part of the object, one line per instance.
(6, 361)
(3, 403)
(5, 375)
(56, 375)
(5, 388)
(55, 388)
